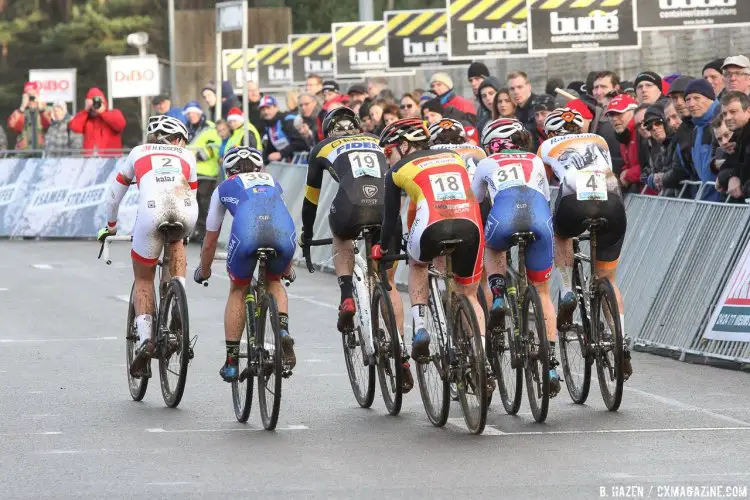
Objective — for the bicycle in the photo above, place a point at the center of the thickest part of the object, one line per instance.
(259, 356)
(456, 351)
(522, 345)
(597, 305)
(170, 325)
(363, 350)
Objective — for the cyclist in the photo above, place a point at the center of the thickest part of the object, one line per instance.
(261, 220)
(567, 153)
(438, 183)
(356, 161)
(514, 179)
(167, 179)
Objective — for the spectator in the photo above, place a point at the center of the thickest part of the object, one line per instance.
(331, 95)
(442, 85)
(195, 120)
(390, 114)
(734, 176)
(283, 138)
(644, 146)
(736, 70)
(726, 146)
(304, 131)
(309, 110)
(628, 88)
(253, 99)
(163, 106)
(228, 99)
(432, 111)
(503, 105)
(30, 120)
(648, 87)
(225, 133)
(409, 106)
(543, 106)
(364, 117)
(208, 92)
(701, 102)
(314, 85)
(621, 112)
(477, 73)
(523, 98)
(59, 140)
(376, 86)
(357, 93)
(236, 121)
(101, 127)
(660, 150)
(680, 167)
(376, 115)
(486, 94)
(292, 101)
(677, 94)
(712, 74)
(606, 86)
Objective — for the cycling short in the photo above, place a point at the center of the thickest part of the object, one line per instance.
(570, 214)
(148, 242)
(347, 219)
(522, 209)
(265, 226)
(424, 241)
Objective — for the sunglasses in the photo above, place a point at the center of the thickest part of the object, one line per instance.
(388, 150)
(651, 125)
(407, 106)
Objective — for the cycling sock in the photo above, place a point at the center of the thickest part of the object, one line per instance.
(181, 279)
(419, 313)
(143, 326)
(566, 273)
(233, 349)
(346, 285)
(497, 285)
(625, 338)
(284, 323)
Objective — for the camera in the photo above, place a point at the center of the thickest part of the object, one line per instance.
(32, 98)
(96, 102)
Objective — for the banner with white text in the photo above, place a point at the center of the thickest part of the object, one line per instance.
(690, 14)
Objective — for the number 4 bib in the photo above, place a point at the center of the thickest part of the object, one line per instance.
(591, 185)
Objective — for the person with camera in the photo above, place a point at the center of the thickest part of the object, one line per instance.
(101, 127)
(30, 120)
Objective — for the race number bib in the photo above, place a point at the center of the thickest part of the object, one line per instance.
(591, 185)
(509, 175)
(364, 163)
(447, 186)
(165, 165)
(256, 179)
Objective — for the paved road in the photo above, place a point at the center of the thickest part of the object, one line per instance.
(68, 428)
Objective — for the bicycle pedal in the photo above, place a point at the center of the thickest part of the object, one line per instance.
(286, 373)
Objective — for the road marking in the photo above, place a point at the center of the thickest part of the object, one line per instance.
(488, 430)
(34, 341)
(685, 406)
(313, 360)
(312, 301)
(174, 483)
(625, 431)
(36, 392)
(159, 430)
(63, 452)
(325, 375)
(42, 266)
(48, 433)
(3, 289)
(124, 298)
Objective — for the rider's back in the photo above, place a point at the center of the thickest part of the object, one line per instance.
(165, 174)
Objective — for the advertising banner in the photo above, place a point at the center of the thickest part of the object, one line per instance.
(359, 48)
(690, 14)
(311, 54)
(731, 318)
(418, 39)
(582, 25)
(487, 28)
(133, 76)
(231, 63)
(57, 84)
(272, 62)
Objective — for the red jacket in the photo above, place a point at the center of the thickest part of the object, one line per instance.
(100, 131)
(631, 166)
(451, 100)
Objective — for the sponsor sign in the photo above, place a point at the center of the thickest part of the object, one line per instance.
(689, 14)
(133, 76)
(582, 25)
(57, 84)
(272, 63)
(731, 317)
(311, 54)
(231, 63)
(418, 38)
(359, 48)
(487, 28)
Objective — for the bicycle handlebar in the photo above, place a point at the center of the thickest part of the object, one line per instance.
(108, 239)
(306, 250)
(386, 259)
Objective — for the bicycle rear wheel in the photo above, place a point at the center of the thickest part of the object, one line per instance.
(268, 343)
(387, 349)
(608, 344)
(536, 347)
(472, 375)
(573, 345)
(242, 389)
(434, 385)
(136, 386)
(174, 345)
(361, 375)
(502, 354)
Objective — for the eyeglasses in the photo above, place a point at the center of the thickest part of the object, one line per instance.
(407, 106)
(650, 125)
(735, 74)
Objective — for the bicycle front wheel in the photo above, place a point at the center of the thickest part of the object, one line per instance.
(504, 357)
(174, 345)
(471, 376)
(387, 350)
(536, 349)
(608, 344)
(136, 386)
(242, 388)
(360, 368)
(573, 345)
(268, 345)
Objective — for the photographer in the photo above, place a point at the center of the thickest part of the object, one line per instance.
(30, 120)
(101, 127)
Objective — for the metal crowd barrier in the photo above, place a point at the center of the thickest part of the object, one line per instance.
(68, 153)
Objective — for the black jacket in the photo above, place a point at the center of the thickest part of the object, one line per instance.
(525, 115)
(282, 137)
(738, 163)
(682, 161)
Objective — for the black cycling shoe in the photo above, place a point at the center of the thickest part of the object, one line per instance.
(347, 310)
(287, 349)
(407, 382)
(230, 371)
(140, 367)
(565, 309)
(627, 366)
(554, 378)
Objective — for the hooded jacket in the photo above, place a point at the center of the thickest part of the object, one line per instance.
(101, 131)
(485, 114)
(451, 100)
(283, 137)
(702, 151)
(229, 100)
(737, 164)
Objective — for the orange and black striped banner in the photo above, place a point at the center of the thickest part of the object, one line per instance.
(311, 53)
(231, 62)
(487, 28)
(273, 66)
(418, 38)
(359, 48)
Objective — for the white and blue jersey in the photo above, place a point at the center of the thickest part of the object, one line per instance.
(261, 220)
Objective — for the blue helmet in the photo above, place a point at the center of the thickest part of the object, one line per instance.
(240, 160)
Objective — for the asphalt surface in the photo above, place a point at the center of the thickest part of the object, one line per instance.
(68, 428)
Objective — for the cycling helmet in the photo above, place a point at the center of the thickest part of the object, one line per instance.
(240, 160)
(447, 131)
(342, 121)
(505, 133)
(164, 129)
(563, 121)
(407, 129)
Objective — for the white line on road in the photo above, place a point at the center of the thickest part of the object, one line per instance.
(488, 430)
(325, 375)
(3, 289)
(33, 341)
(159, 430)
(685, 406)
(42, 266)
(48, 433)
(312, 301)
(124, 298)
(624, 431)
(174, 483)
(36, 392)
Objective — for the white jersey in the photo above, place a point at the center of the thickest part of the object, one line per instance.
(470, 153)
(582, 163)
(503, 171)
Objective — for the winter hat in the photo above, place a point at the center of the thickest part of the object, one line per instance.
(580, 106)
(701, 87)
(648, 76)
(267, 100)
(427, 96)
(209, 86)
(621, 104)
(331, 86)
(192, 107)
(578, 86)
(443, 78)
(715, 65)
(654, 113)
(680, 84)
(433, 105)
(235, 114)
(355, 89)
(627, 86)
(364, 110)
(478, 69)
(544, 102)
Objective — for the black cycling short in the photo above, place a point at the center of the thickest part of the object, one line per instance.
(570, 214)
(467, 257)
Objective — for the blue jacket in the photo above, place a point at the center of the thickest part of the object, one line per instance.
(702, 151)
(177, 113)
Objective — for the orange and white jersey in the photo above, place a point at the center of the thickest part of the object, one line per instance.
(470, 153)
(503, 171)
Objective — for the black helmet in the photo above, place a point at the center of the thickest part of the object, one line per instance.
(335, 122)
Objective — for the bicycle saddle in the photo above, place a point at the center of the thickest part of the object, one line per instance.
(520, 236)
(447, 246)
(172, 230)
(268, 252)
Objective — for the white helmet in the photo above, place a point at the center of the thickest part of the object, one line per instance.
(240, 160)
(504, 133)
(163, 126)
(560, 120)
(443, 126)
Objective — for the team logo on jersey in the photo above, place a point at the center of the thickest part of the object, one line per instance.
(370, 190)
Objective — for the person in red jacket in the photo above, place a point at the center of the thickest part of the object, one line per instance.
(101, 127)
(621, 112)
(442, 85)
(30, 121)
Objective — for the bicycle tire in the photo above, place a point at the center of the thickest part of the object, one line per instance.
(435, 373)
(472, 374)
(387, 350)
(362, 383)
(270, 363)
(578, 383)
(536, 349)
(242, 391)
(172, 343)
(502, 353)
(605, 297)
(136, 386)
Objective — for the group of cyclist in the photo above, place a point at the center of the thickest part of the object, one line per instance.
(480, 195)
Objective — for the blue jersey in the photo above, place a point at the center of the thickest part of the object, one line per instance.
(233, 194)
